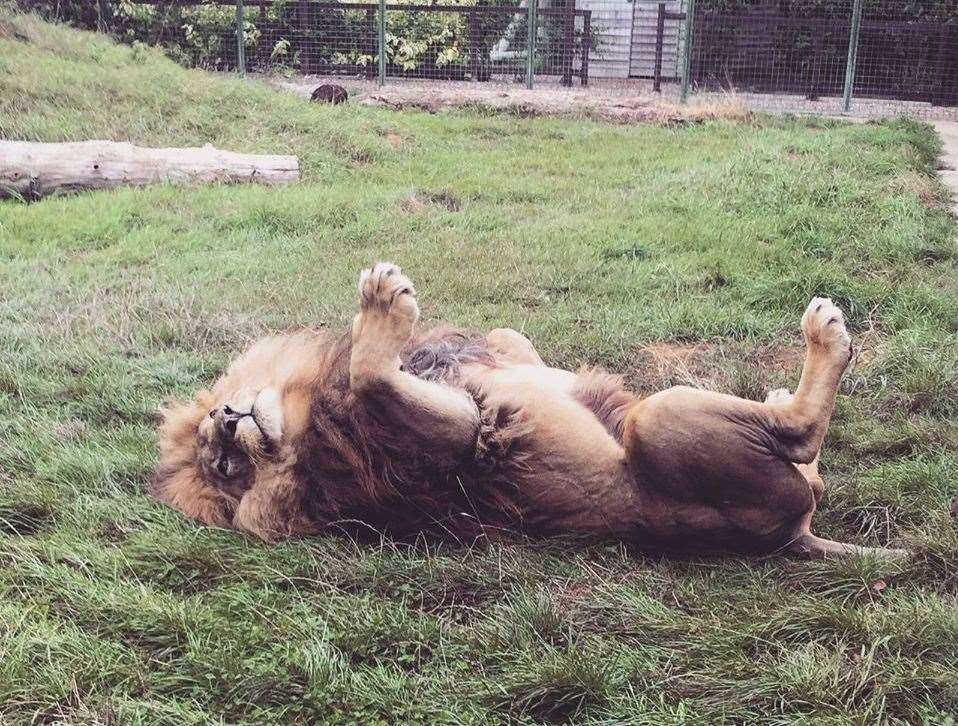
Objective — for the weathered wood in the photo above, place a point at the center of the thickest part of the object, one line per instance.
(645, 38)
(32, 170)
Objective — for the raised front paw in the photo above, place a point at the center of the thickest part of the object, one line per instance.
(385, 289)
(388, 313)
(824, 325)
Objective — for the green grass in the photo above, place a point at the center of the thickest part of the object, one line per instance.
(598, 241)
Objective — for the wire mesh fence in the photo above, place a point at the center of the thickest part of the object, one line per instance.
(828, 56)
(800, 55)
(450, 41)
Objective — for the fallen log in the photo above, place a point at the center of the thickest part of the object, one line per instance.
(31, 170)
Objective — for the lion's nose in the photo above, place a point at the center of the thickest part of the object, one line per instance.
(226, 419)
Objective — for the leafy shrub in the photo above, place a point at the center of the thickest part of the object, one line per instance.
(428, 43)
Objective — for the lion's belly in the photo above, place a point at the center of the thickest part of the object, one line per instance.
(574, 475)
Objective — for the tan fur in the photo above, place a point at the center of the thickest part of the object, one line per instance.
(606, 396)
(387, 429)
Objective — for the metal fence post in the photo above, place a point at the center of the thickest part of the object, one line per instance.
(531, 21)
(382, 42)
(659, 43)
(568, 41)
(687, 49)
(103, 16)
(852, 55)
(240, 38)
(586, 45)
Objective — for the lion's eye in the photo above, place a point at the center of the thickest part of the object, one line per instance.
(213, 413)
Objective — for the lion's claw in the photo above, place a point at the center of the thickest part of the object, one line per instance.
(388, 308)
(381, 285)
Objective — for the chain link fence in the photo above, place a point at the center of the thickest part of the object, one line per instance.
(828, 56)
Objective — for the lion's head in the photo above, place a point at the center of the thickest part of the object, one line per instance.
(279, 447)
(245, 430)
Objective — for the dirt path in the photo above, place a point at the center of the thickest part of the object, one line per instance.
(948, 131)
(621, 103)
(635, 106)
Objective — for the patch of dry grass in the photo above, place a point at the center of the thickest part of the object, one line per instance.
(927, 190)
(569, 102)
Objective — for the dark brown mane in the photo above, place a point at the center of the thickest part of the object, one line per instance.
(438, 354)
(358, 474)
(350, 469)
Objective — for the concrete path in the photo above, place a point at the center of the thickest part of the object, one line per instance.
(948, 131)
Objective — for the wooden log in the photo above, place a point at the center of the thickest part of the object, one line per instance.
(31, 170)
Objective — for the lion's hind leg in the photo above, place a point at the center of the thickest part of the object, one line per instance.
(743, 467)
(804, 543)
(709, 474)
(712, 477)
(809, 470)
(801, 420)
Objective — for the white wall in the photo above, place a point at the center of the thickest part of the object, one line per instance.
(612, 22)
(645, 22)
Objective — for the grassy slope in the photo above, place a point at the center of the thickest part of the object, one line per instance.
(595, 240)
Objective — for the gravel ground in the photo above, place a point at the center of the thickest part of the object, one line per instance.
(603, 97)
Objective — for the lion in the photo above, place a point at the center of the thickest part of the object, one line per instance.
(391, 430)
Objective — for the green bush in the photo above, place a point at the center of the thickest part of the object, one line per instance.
(429, 43)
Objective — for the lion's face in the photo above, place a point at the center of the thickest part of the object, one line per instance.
(214, 449)
(239, 433)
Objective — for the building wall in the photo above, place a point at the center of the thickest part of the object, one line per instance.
(612, 23)
(645, 23)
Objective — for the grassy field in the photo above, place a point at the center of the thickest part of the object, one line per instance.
(672, 254)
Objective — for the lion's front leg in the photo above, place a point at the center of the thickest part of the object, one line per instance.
(387, 315)
(272, 509)
(443, 421)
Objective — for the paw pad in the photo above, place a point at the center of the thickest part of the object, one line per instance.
(824, 324)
